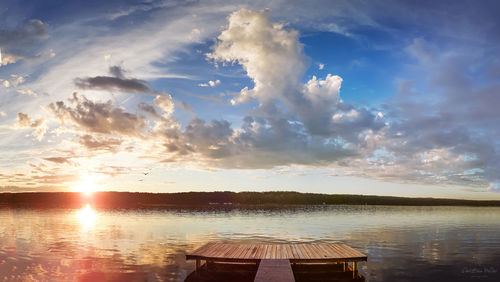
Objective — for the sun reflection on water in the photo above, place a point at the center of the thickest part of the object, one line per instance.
(86, 216)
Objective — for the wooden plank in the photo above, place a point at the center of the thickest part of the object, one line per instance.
(342, 250)
(260, 250)
(274, 270)
(269, 251)
(313, 251)
(216, 250)
(336, 251)
(221, 250)
(316, 250)
(248, 249)
(228, 250)
(249, 252)
(299, 251)
(293, 251)
(201, 249)
(208, 248)
(353, 251)
(346, 252)
(332, 251)
(254, 251)
(264, 251)
(324, 250)
(319, 250)
(288, 253)
(239, 249)
(304, 250)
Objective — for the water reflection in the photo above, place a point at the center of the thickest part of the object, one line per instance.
(86, 216)
(402, 243)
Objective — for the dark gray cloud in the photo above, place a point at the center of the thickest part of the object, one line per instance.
(117, 82)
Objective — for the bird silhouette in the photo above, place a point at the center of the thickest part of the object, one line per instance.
(146, 173)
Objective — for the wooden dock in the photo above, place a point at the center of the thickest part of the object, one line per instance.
(263, 256)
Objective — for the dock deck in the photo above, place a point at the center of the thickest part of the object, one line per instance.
(301, 253)
(296, 253)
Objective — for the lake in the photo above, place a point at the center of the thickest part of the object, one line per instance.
(402, 243)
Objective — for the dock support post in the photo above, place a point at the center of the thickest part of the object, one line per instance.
(343, 266)
(354, 269)
(197, 264)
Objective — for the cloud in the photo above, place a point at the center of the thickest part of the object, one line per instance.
(58, 160)
(271, 55)
(28, 92)
(186, 107)
(25, 121)
(14, 81)
(6, 58)
(165, 103)
(112, 170)
(3, 114)
(19, 42)
(210, 83)
(117, 82)
(209, 139)
(447, 140)
(98, 117)
(100, 143)
(494, 187)
(321, 66)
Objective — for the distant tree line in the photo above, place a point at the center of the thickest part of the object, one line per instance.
(214, 199)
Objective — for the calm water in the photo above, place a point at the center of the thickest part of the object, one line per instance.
(402, 243)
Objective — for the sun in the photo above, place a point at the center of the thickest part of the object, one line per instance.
(86, 185)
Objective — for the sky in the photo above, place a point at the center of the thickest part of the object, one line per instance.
(360, 97)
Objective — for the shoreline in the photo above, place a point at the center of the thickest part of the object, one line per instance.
(219, 200)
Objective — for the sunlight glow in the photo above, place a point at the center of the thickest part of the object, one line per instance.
(86, 185)
(86, 216)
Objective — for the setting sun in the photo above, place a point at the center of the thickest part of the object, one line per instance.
(86, 185)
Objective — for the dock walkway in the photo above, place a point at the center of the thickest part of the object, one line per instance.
(274, 270)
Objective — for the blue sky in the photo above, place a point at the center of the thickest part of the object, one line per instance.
(379, 97)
